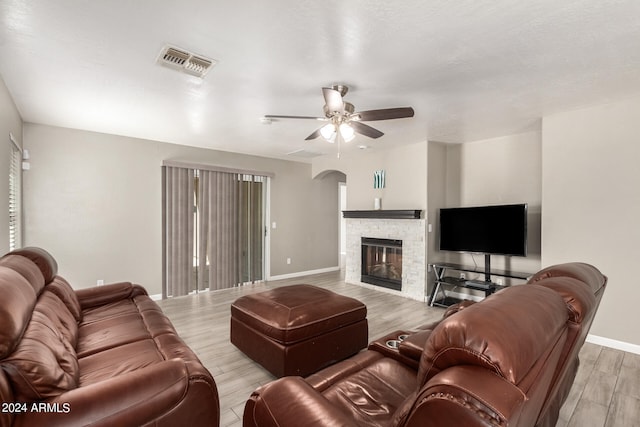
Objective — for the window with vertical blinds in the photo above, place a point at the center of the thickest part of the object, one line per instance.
(213, 228)
(14, 198)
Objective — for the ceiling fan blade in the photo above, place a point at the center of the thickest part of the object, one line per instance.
(333, 100)
(366, 130)
(314, 135)
(273, 116)
(385, 114)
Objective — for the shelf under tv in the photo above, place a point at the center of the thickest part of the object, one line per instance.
(443, 282)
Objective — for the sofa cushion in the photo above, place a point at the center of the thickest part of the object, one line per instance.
(118, 361)
(120, 323)
(114, 309)
(133, 304)
(43, 259)
(372, 395)
(507, 333)
(59, 317)
(577, 295)
(111, 332)
(102, 295)
(44, 363)
(26, 268)
(18, 300)
(586, 273)
(65, 292)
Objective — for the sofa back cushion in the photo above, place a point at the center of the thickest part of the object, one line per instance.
(26, 268)
(18, 299)
(41, 258)
(63, 290)
(44, 363)
(586, 273)
(508, 333)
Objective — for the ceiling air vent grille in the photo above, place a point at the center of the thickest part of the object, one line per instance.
(185, 61)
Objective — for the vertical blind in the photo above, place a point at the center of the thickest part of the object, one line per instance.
(213, 229)
(178, 228)
(15, 174)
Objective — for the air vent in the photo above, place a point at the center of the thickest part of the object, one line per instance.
(185, 61)
(305, 154)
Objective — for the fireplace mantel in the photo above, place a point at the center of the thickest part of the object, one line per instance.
(385, 214)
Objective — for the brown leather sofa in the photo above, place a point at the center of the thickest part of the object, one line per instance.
(509, 360)
(102, 356)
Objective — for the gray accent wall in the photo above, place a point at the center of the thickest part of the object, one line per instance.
(496, 171)
(94, 201)
(405, 176)
(591, 204)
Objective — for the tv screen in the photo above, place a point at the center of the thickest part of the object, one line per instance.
(499, 229)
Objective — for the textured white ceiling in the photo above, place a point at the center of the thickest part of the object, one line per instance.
(471, 69)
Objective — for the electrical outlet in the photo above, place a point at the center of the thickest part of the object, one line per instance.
(500, 282)
(100, 282)
(463, 276)
(288, 260)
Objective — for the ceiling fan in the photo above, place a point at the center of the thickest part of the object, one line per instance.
(342, 118)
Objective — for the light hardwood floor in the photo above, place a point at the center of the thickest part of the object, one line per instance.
(606, 392)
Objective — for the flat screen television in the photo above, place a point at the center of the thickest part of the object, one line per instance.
(490, 230)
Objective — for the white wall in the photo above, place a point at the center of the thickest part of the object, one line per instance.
(94, 201)
(437, 186)
(591, 204)
(502, 170)
(405, 174)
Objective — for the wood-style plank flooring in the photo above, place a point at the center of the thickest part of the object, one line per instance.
(606, 392)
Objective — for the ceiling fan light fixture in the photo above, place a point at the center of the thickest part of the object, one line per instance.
(343, 121)
(328, 132)
(347, 132)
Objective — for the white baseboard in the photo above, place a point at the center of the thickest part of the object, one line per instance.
(303, 273)
(618, 345)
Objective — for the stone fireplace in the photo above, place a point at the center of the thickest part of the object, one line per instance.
(404, 226)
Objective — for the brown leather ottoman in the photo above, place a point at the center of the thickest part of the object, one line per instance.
(299, 329)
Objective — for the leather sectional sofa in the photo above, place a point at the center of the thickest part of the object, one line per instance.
(509, 360)
(104, 356)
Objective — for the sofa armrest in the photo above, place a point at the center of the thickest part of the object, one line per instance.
(290, 401)
(470, 396)
(413, 345)
(325, 378)
(91, 297)
(134, 399)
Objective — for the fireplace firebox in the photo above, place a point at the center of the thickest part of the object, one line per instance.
(382, 262)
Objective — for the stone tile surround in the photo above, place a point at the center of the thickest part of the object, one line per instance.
(412, 232)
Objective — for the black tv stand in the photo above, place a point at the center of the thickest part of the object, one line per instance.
(446, 282)
(487, 268)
